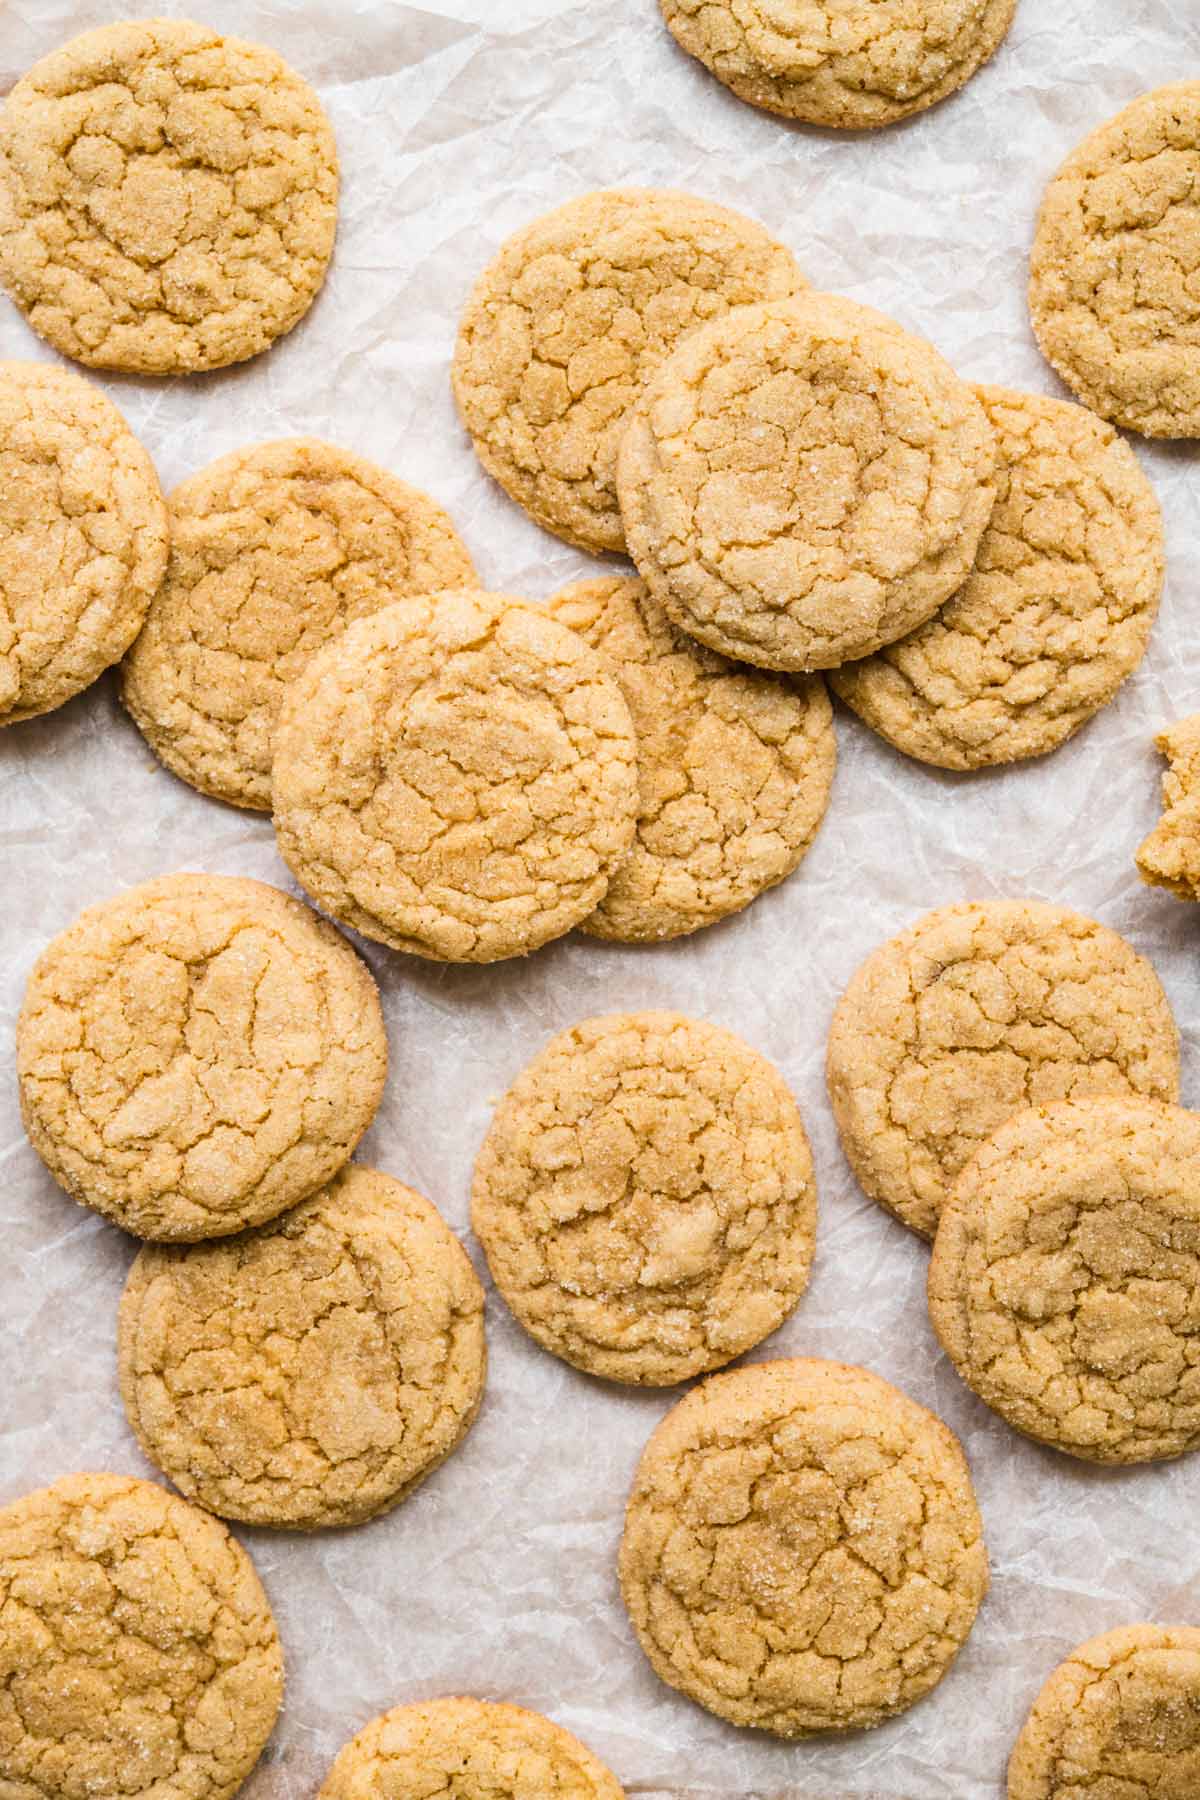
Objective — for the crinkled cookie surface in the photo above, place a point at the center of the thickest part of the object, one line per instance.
(974, 1013)
(456, 777)
(313, 1372)
(1120, 1717)
(197, 1054)
(168, 197)
(273, 550)
(83, 536)
(802, 1549)
(565, 327)
(1065, 1280)
(847, 63)
(138, 1655)
(645, 1197)
(734, 767)
(1055, 614)
(460, 1749)
(1114, 287)
(1170, 856)
(804, 482)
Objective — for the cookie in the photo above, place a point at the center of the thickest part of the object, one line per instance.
(138, 1655)
(273, 550)
(1065, 1280)
(1120, 1717)
(197, 1054)
(1170, 856)
(734, 768)
(804, 482)
(83, 537)
(168, 197)
(466, 1750)
(456, 777)
(802, 1548)
(314, 1371)
(645, 1198)
(829, 63)
(567, 324)
(974, 1013)
(1055, 614)
(1112, 289)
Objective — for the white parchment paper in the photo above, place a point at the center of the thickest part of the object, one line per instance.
(458, 120)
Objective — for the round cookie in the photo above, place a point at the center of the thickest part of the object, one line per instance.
(83, 536)
(168, 197)
(273, 550)
(734, 768)
(802, 1548)
(1055, 614)
(456, 777)
(645, 1198)
(804, 482)
(829, 63)
(313, 1372)
(567, 324)
(1065, 1279)
(1120, 1716)
(197, 1054)
(972, 1014)
(138, 1654)
(1112, 289)
(1170, 857)
(466, 1750)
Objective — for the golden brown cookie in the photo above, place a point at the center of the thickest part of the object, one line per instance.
(467, 1750)
(83, 536)
(456, 777)
(802, 1548)
(273, 550)
(1112, 289)
(804, 481)
(869, 62)
(1065, 1280)
(566, 325)
(1121, 1717)
(734, 767)
(168, 197)
(972, 1014)
(197, 1054)
(138, 1655)
(1170, 856)
(645, 1198)
(1055, 614)
(314, 1371)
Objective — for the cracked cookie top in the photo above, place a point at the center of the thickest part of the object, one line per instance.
(734, 767)
(570, 320)
(168, 197)
(456, 777)
(645, 1198)
(138, 1654)
(273, 550)
(1114, 291)
(197, 1054)
(1170, 856)
(804, 481)
(847, 63)
(1120, 1717)
(974, 1013)
(83, 536)
(461, 1749)
(1055, 614)
(802, 1548)
(1065, 1280)
(312, 1372)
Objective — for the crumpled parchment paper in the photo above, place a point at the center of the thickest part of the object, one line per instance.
(458, 120)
